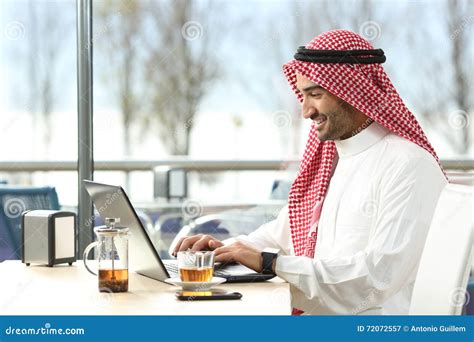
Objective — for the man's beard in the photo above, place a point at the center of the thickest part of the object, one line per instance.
(337, 124)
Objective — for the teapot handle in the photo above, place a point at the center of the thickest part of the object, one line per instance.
(86, 254)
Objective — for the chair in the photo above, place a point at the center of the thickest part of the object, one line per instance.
(14, 201)
(440, 285)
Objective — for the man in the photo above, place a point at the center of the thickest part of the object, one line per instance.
(369, 162)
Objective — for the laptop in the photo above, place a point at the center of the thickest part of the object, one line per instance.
(112, 201)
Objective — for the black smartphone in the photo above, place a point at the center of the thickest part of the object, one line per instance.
(207, 295)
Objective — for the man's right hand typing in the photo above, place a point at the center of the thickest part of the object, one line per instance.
(197, 243)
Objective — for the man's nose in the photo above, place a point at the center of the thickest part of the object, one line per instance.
(308, 110)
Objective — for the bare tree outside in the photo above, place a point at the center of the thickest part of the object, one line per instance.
(443, 92)
(118, 40)
(42, 59)
(180, 68)
(460, 18)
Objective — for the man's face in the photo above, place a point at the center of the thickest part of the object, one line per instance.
(334, 118)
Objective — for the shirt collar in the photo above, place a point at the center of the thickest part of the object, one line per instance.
(362, 140)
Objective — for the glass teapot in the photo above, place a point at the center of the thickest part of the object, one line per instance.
(112, 244)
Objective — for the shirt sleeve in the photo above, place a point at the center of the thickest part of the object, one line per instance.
(274, 234)
(364, 280)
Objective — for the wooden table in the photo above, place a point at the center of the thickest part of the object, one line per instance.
(71, 290)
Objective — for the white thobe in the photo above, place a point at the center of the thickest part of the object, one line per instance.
(372, 229)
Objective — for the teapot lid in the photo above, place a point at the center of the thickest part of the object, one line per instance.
(105, 229)
(110, 227)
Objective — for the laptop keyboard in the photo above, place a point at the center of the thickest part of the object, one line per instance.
(172, 269)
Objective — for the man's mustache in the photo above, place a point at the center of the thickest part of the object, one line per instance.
(316, 116)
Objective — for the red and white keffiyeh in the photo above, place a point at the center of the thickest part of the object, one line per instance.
(367, 88)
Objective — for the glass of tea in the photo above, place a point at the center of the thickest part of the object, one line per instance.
(112, 245)
(196, 266)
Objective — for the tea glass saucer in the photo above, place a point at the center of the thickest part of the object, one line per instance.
(195, 285)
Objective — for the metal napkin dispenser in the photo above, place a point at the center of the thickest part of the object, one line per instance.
(48, 237)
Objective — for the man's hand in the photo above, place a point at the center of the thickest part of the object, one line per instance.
(241, 253)
(197, 243)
